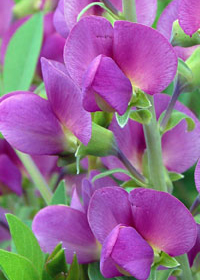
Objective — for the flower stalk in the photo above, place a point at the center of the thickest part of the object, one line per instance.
(36, 176)
(184, 265)
(129, 10)
(154, 152)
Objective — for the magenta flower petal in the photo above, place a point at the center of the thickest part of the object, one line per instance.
(129, 251)
(105, 79)
(150, 66)
(168, 16)
(76, 202)
(196, 248)
(66, 101)
(179, 155)
(189, 16)
(4, 232)
(90, 37)
(73, 7)
(163, 221)
(197, 176)
(28, 124)
(59, 20)
(146, 11)
(55, 224)
(10, 176)
(5, 15)
(114, 205)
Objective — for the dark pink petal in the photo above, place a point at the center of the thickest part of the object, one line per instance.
(102, 182)
(28, 124)
(105, 79)
(86, 192)
(197, 176)
(10, 176)
(185, 53)
(189, 16)
(4, 231)
(90, 37)
(107, 265)
(144, 55)
(59, 20)
(112, 203)
(66, 101)
(168, 16)
(181, 149)
(5, 15)
(196, 249)
(55, 224)
(129, 251)
(76, 202)
(73, 7)
(47, 165)
(163, 221)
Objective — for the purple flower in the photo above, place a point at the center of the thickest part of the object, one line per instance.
(195, 249)
(66, 14)
(6, 7)
(4, 229)
(46, 127)
(10, 175)
(180, 148)
(117, 60)
(69, 225)
(136, 224)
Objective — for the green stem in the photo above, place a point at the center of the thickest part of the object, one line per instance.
(154, 152)
(36, 176)
(129, 10)
(186, 271)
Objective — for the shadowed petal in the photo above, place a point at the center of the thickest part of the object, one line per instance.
(144, 55)
(4, 230)
(104, 78)
(168, 16)
(55, 224)
(197, 176)
(76, 202)
(90, 37)
(196, 249)
(10, 176)
(111, 203)
(5, 15)
(129, 251)
(146, 11)
(189, 16)
(163, 221)
(59, 20)
(28, 124)
(66, 101)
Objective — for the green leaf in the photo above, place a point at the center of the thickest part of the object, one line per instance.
(74, 270)
(197, 218)
(165, 274)
(175, 176)
(16, 267)
(22, 55)
(142, 116)
(122, 120)
(140, 100)
(59, 196)
(56, 263)
(175, 119)
(25, 242)
(167, 261)
(184, 71)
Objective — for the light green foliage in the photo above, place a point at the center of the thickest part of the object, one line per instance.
(59, 196)
(22, 55)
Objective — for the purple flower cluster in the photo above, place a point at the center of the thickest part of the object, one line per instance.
(95, 68)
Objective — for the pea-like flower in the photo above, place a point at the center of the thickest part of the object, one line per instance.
(137, 225)
(46, 127)
(108, 63)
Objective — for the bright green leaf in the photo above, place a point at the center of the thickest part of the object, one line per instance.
(59, 196)
(74, 270)
(142, 116)
(16, 267)
(140, 100)
(175, 176)
(56, 262)
(175, 119)
(168, 261)
(197, 218)
(122, 120)
(22, 55)
(25, 242)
